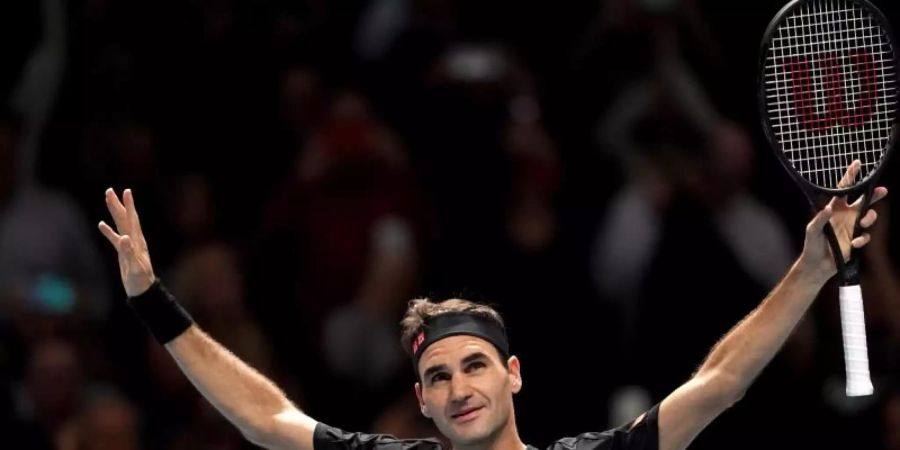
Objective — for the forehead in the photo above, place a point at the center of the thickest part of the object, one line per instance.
(455, 348)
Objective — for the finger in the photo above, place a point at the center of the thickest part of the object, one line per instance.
(116, 210)
(868, 219)
(134, 220)
(849, 178)
(878, 193)
(126, 245)
(861, 241)
(110, 235)
(820, 219)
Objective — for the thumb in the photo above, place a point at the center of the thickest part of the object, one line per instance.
(819, 221)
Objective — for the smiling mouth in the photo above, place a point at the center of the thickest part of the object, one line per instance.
(466, 414)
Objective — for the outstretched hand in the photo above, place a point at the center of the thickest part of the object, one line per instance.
(842, 216)
(128, 240)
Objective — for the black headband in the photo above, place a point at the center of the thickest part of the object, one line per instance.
(457, 323)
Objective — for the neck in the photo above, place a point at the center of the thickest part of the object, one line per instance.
(507, 438)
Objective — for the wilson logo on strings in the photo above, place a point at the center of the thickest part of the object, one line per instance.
(841, 91)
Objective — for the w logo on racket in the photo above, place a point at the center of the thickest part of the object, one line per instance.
(828, 87)
(846, 84)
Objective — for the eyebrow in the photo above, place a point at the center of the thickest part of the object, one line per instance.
(477, 356)
(474, 357)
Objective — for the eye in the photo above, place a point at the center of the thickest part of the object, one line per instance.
(440, 376)
(477, 365)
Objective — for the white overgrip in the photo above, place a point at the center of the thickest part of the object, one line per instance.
(856, 356)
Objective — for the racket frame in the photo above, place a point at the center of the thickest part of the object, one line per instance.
(819, 196)
(812, 189)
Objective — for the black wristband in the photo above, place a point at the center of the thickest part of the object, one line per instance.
(161, 313)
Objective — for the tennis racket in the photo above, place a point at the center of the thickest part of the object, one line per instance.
(828, 86)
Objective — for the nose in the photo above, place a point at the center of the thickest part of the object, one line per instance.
(460, 390)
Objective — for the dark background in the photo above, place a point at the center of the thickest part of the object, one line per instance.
(303, 168)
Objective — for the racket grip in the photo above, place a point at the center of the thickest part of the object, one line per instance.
(856, 356)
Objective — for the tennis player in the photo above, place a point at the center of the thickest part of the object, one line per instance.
(466, 374)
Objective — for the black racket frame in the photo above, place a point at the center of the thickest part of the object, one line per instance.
(819, 196)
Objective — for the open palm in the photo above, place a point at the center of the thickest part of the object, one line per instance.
(128, 240)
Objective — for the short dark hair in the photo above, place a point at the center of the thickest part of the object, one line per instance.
(420, 310)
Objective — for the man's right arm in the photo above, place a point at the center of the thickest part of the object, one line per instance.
(246, 398)
(250, 401)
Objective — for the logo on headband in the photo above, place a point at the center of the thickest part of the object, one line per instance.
(417, 342)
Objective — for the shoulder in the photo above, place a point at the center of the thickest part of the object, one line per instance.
(585, 441)
(639, 434)
(330, 438)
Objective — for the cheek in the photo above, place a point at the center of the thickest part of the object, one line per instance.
(499, 388)
(433, 400)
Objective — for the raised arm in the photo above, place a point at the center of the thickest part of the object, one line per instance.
(741, 355)
(246, 398)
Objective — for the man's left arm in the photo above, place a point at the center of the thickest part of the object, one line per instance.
(741, 355)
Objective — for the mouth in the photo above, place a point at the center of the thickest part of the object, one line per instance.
(466, 415)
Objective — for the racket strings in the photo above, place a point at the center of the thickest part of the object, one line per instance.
(831, 90)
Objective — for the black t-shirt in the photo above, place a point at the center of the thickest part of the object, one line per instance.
(640, 434)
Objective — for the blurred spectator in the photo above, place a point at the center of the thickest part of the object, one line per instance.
(531, 218)
(129, 153)
(671, 142)
(208, 430)
(302, 102)
(301, 108)
(20, 30)
(48, 254)
(631, 33)
(345, 233)
(107, 421)
(193, 212)
(380, 24)
(685, 197)
(49, 394)
(717, 180)
(167, 397)
(34, 95)
(209, 280)
(403, 41)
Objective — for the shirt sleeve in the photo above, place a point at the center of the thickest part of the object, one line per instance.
(640, 434)
(329, 438)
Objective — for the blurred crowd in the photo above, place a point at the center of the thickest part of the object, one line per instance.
(303, 168)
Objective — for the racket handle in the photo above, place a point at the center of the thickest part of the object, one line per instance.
(856, 356)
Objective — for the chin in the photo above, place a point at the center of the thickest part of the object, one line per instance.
(471, 438)
(473, 433)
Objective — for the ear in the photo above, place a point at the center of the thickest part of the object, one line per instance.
(515, 374)
(422, 407)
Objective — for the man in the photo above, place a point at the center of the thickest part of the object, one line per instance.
(466, 375)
